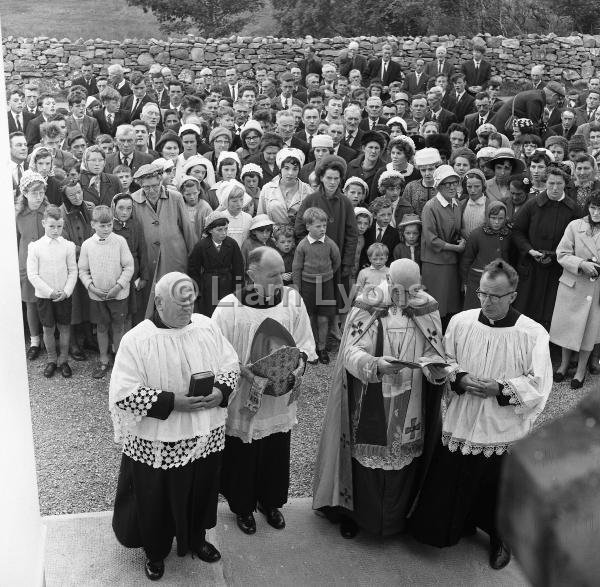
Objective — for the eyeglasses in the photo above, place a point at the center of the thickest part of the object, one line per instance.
(492, 297)
(253, 137)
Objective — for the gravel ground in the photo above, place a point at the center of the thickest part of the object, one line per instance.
(78, 462)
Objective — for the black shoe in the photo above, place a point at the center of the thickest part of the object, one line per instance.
(499, 554)
(65, 370)
(274, 517)
(208, 553)
(323, 356)
(33, 353)
(246, 523)
(154, 570)
(576, 383)
(348, 528)
(77, 354)
(101, 370)
(558, 376)
(593, 365)
(50, 370)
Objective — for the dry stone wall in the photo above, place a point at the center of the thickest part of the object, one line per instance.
(57, 61)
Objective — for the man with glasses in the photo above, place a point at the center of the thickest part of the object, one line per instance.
(503, 380)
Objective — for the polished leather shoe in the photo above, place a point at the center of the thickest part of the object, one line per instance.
(154, 570)
(558, 376)
(208, 553)
(77, 354)
(323, 356)
(576, 383)
(65, 370)
(246, 523)
(348, 528)
(274, 517)
(499, 555)
(50, 370)
(33, 353)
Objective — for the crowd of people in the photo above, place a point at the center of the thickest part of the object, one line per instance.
(339, 178)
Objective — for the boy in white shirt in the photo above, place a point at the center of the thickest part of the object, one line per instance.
(52, 270)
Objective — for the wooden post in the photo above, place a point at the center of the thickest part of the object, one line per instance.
(22, 535)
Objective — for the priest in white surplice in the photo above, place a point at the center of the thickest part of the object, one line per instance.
(172, 444)
(504, 378)
(256, 467)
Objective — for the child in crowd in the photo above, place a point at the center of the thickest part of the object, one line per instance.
(409, 246)
(356, 190)
(316, 260)
(106, 143)
(168, 167)
(106, 267)
(364, 218)
(520, 190)
(391, 186)
(381, 231)
(125, 225)
(261, 229)
(228, 166)
(283, 235)
(232, 199)
(252, 179)
(30, 207)
(377, 272)
(202, 169)
(197, 209)
(52, 270)
(226, 118)
(215, 263)
(77, 216)
(125, 177)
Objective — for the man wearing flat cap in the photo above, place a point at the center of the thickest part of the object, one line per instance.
(540, 106)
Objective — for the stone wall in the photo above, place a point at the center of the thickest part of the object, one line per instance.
(57, 61)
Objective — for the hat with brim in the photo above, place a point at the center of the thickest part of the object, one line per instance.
(401, 96)
(518, 166)
(442, 173)
(215, 219)
(409, 219)
(427, 156)
(372, 137)
(260, 221)
(148, 170)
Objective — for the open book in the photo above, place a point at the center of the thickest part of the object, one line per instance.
(422, 362)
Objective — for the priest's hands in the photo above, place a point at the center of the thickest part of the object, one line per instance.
(390, 365)
(479, 386)
(184, 403)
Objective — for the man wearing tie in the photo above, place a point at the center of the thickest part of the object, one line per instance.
(374, 108)
(465, 103)
(79, 120)
(87, 80)
(585, 113)
(151, 117)
(352, 118)
(384, 69)
(352, 60)
(443, 117)
(477, 71)
(416, 81)
(110, 117)
(32, 94)
(285, 100)
(132, 105)
(126, 153)
(567, 126)
(232, 84)
(473, 121)
(18, 158)
(441, 66)
(17, 118)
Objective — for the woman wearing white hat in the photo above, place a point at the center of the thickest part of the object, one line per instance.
(282, 196)
(320, 146)
(441, 243)
(419, 191)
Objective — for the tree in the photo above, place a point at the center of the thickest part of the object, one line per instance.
(208, 18)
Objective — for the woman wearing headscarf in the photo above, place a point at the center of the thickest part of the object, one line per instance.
(280, 199)
(99, 188)
(441, 243)
(202, 169)
(484, 244)
(576, 319)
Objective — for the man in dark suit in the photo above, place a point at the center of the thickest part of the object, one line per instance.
(126, 153)
(536, 81)
(473, 121)
(310, 64)
(374, 107)
(116, 78)
(132, 105)
(285, 100)
(32, 133)
(477, 71)
(444, 118)
(465, 103)
(384, 70)
(387, 236)
(78, 120)
(284, 127)
(350, 59)
(440, 66)
(231, 87)
(586, 113)
(111, 116)
(87, 80)
(337, 131)
(17, 118)
(567, 126)
(416, 81)
(32, 94)
(159, 91)
(310, 118)
(352, 118)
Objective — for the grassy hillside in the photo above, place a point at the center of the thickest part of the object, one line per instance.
(91, 19)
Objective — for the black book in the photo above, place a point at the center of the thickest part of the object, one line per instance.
(201, 384)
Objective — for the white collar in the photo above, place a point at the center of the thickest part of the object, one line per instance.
(445, 202)
(312, 240)
(51, 241)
